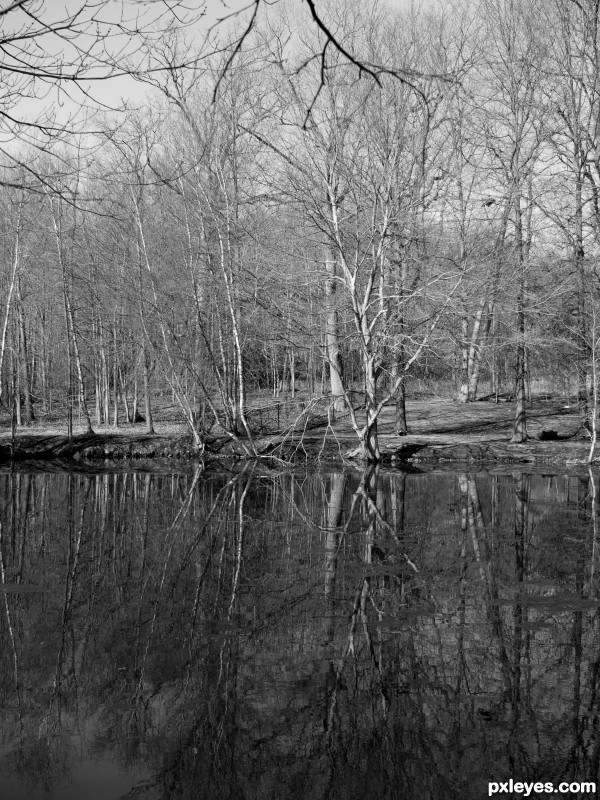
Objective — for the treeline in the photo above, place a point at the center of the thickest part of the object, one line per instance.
(295, 221)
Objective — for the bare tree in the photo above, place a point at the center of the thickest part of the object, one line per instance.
(363, 177)
(51, 56)
(512, 70)
(335, 46)
(572, 101)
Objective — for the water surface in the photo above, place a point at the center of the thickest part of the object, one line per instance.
(294, 635)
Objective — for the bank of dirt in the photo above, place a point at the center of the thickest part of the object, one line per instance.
(440, 431)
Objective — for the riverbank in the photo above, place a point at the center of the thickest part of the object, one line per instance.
(440, 431)
(444, 431)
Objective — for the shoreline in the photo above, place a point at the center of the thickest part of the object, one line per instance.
(442, 433)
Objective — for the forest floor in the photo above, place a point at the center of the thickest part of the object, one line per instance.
(481, 431)
(447, 431)
(439, 431)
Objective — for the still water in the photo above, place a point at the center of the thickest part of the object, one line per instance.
(296, 635)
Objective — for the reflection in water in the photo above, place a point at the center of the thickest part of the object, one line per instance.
(324, 635)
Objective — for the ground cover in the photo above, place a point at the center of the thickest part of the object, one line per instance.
(439, 430)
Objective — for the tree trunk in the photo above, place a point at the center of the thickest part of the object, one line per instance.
(578, 258)
(370, 440)
(69, 395)
(115, 379)
(105, 384)
(520, 427)
(463, 395)
(478, 349)
(475, 352)
(520, 424)
(17, 391)
(69, 316)
(97, 375)
(147, 398)
(336, 375)
(135, 403)
(44, 364)
(11, 289)
(400, 410)
(125, 399)
(292, 372)
(400, 425)
(25, 377)
(80, 382)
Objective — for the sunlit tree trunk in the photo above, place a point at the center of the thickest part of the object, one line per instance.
(115, 375)
(25, 376)
(520, 424)
(334, 356)
(398, 367)
(72, 338)
(147, 396)
(11, 291)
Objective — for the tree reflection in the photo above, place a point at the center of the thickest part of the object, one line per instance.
(299, 635)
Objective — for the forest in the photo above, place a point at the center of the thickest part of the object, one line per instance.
(338, 211)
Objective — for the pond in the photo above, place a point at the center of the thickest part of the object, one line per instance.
(333, 634)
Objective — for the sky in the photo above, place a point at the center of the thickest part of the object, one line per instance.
(216, 16)
(111, 94)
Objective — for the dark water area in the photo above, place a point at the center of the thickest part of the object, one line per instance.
(292, 635)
